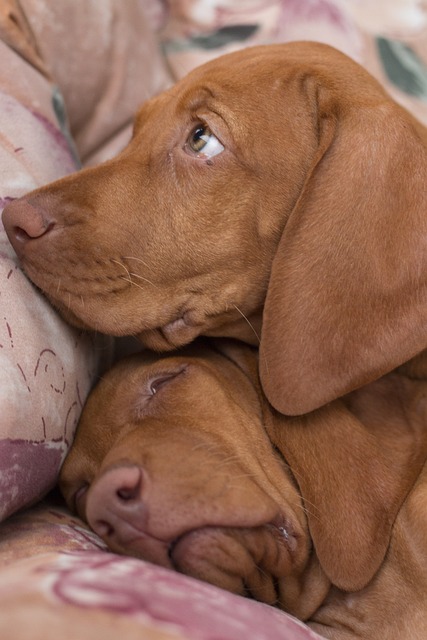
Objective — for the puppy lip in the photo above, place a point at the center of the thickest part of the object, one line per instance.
(283, 528)
(175, 325)
(179, 331)
(181, 322)
(280, 527)
(272, 549)
(147, 547)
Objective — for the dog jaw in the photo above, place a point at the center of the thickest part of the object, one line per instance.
(247, 562)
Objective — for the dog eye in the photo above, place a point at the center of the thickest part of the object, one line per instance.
(161, 380)
(151, 388)
(203, 143)
(158, 383)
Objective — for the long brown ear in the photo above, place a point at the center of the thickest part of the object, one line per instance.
(353, 476)
(347, 298)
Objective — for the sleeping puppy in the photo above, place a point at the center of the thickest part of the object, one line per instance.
(277, 193)
(181, 461)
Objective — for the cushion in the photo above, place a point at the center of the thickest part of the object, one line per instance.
(59, 102)
(388, 38)
(58, 580)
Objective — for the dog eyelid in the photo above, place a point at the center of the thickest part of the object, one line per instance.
(152, 386)
(159, 381)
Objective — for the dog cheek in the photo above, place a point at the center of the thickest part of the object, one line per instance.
(213, 556)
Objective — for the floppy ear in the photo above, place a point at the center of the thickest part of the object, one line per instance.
(347, 297)
(353, 480)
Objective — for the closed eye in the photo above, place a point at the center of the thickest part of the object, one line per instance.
(158, 383)
(152, 387)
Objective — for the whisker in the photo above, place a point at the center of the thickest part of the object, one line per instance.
(311, 504)
(136, 275)
(306, 511)
(256, 334)
(134, 283)
(121, 265)
(138, 260)
(130, 274)
(248, 321)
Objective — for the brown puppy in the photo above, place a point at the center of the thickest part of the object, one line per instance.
(181, 461)
(276, 192)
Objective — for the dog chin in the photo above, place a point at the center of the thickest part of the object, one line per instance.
(173, 335)
(225, 558)
(69, 316)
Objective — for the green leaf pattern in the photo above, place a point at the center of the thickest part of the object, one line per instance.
(214, 40)
(403, 67)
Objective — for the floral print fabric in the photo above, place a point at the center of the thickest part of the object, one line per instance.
(57, 578)
(388, 37)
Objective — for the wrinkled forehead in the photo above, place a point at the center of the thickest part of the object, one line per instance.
(231, 77)
(244, 67)
(254, 73)
(225, 80)
(147, 384)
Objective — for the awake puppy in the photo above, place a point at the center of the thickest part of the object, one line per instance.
(275, 193)
(181, 461)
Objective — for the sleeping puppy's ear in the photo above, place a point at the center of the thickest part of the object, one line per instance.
(347, 297)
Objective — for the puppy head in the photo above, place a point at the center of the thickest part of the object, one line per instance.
(175, 236)
(180, 460)
(171, 463)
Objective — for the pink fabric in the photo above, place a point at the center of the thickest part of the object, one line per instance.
(95, 62)
(55, 568)
(388, 37)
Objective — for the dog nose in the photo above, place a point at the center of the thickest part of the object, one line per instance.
(114, 507)
(24, 222)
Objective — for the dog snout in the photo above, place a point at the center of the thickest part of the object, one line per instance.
(24, 222)
(115, 509)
